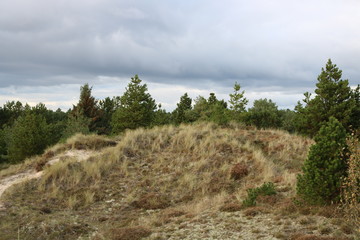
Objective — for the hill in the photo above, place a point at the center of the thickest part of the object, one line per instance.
(197, 181)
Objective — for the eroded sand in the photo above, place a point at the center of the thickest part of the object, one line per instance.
(9, 181)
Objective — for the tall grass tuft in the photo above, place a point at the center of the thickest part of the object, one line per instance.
(350, 197)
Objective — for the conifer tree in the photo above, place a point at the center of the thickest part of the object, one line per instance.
(136, 109)
(87, 106)
(333, 98)
(355, 117)
(28, 136)
(76, 123)
(237, 102)
(161, 117)
(107, 107)
(179, 114)
(325, 166)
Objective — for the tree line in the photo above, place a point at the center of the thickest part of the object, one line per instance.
(26, 131)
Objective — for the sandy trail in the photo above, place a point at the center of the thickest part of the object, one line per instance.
(7, 182)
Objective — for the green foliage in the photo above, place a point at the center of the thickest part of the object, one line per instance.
(28, 136)
(56, 121)
(136, 109)
(180, 114)
(333, 97)
(161, 117)
(219, 113)
(87, 106)
(10, 112)
(237, 102)
(210, 109)
(325, 166)
(288, 119)
(266, 189)
(3, 148)
(355, 117)
(107, 107)
(264, 114)
(76, 123)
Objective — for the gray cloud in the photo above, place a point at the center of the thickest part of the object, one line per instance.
(191, 43)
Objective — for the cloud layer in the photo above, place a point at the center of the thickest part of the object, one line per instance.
(203, 44)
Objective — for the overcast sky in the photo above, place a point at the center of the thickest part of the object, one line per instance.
(273, 48)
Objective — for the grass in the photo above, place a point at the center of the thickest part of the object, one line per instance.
(150, 179)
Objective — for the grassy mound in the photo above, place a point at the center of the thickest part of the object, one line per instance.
(150, 177)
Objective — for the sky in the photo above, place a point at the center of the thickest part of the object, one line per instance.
(273, 48)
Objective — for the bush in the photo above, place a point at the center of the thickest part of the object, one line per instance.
(325, 166)
(28, 136)
(266, 189)
(264, 114)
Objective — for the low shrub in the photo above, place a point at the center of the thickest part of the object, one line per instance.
(266, 189)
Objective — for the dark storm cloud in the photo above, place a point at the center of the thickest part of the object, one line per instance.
(257, 43)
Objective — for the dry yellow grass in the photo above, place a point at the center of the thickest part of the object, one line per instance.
(187, 168)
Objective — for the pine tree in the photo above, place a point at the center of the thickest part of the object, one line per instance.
(10, 112)
(88, 107)
(136, 109)
(161, 117)
(333, 98)
(28, 136)
(355, 117)
(237, 102)
(3, 148)
(76, 123)
(107, 107)
(325, 166)
(180, 113)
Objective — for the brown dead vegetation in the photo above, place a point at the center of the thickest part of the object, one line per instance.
(155, 178)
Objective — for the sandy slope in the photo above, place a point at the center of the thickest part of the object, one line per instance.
(31, 174)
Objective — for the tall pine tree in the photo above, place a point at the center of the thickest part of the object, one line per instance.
(136, 109)
(183, 107)
(237, 102)
(333, 98)
(88, 108)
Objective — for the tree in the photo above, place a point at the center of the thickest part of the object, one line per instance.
(355, 117)
(136, 109)
(288, 119)
(161, 117)
(87, 106)
(180, 113)
(76, 123)
(56, 121)
(325, 166)
(237, 102)
(333, 98)
(108, 107)
(210, 109)
(3, 148)
(263, 114)
(28, 136)
(10, 112)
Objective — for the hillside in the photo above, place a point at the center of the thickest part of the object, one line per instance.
(186, 182)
